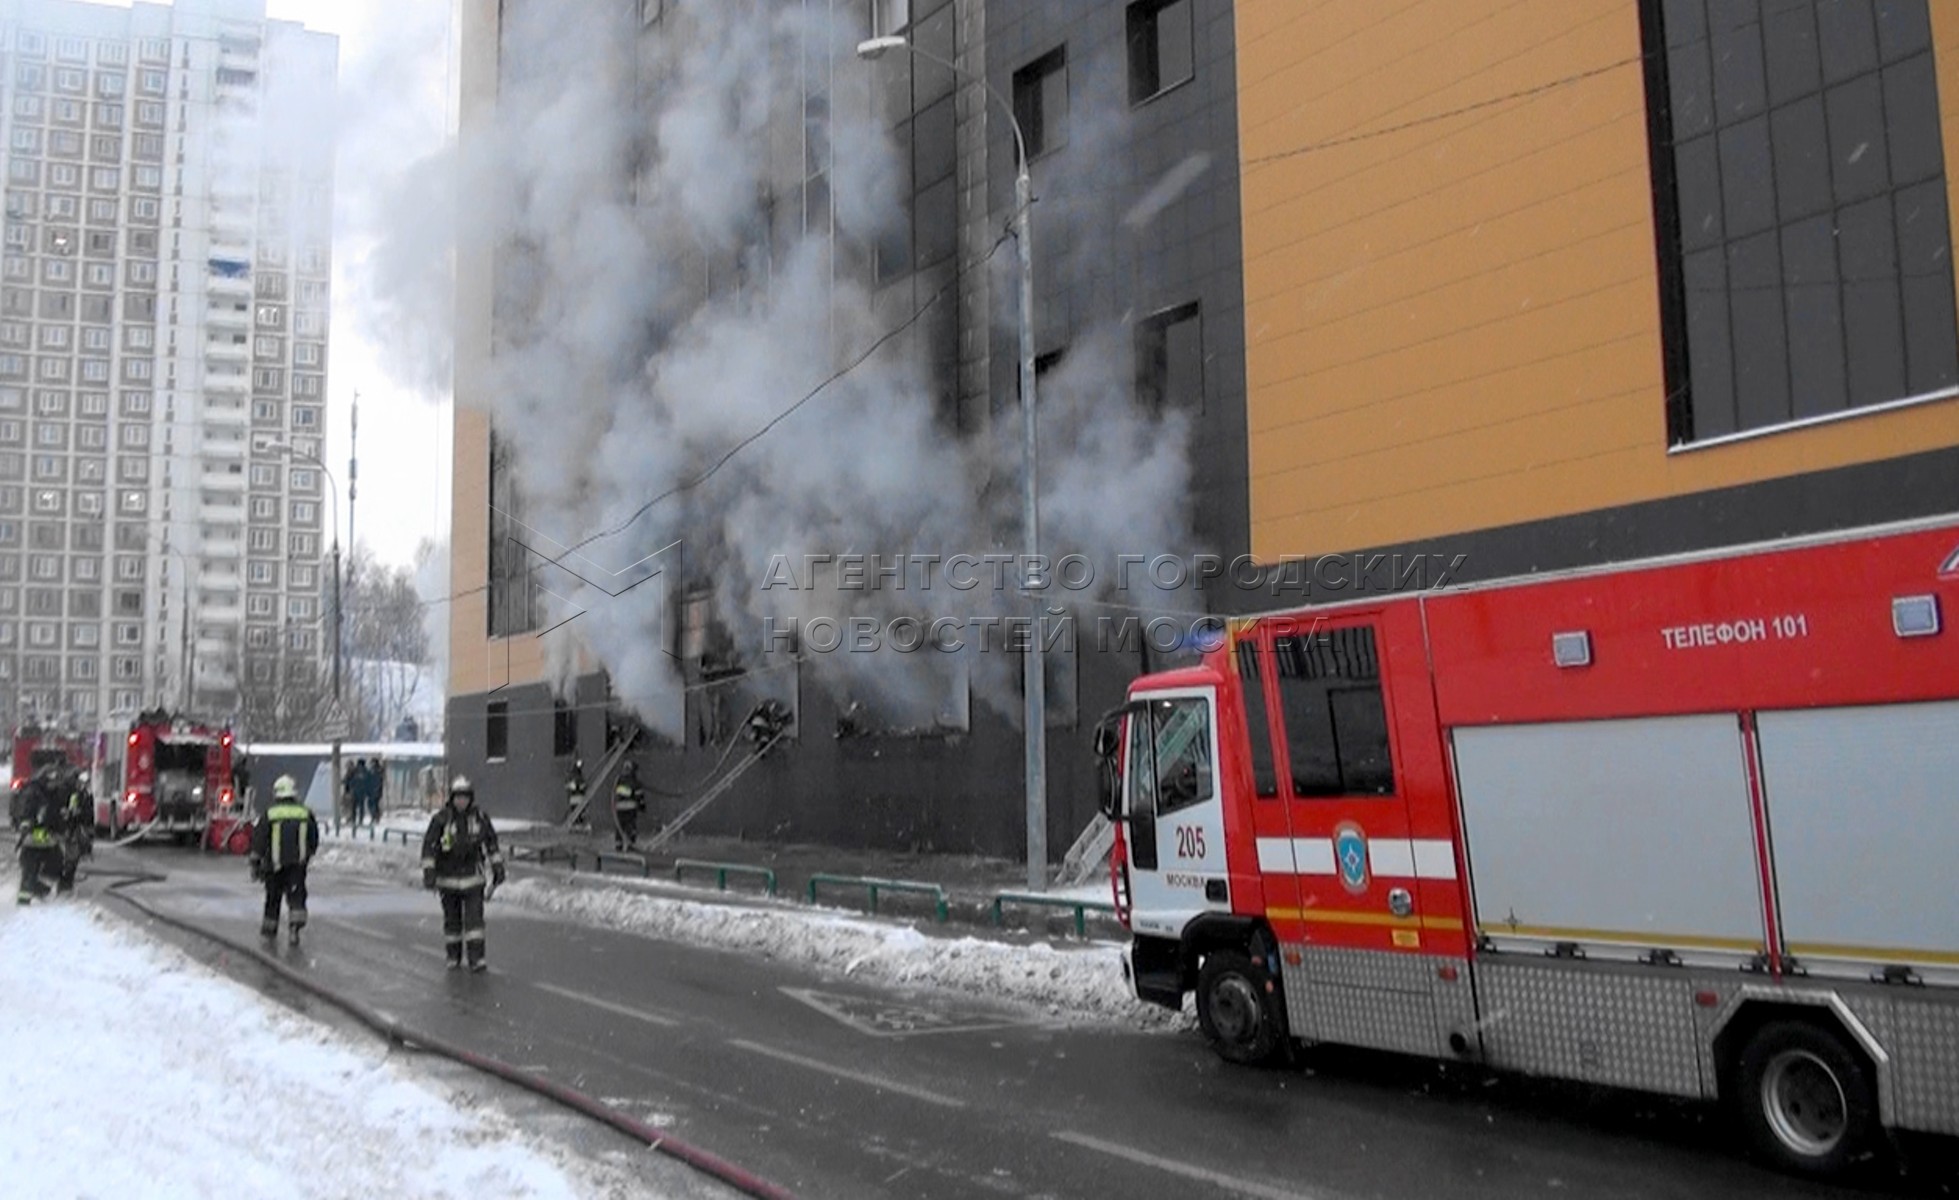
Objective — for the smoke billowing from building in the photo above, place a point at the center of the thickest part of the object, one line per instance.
(683, 226)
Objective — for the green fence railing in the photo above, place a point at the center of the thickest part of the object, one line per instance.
(722, 870)
(1034, 899)
(940, 905)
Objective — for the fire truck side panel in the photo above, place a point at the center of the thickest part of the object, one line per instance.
(1783, 629)
(1620, 837)
(1370, 917)
(1863, 807)
(1605, 1023)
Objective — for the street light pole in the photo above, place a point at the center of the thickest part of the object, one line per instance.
(1034, 689)
(338, 638)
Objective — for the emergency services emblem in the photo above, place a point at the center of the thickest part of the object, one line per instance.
(1350, 852)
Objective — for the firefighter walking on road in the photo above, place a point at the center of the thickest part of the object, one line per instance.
(460, 845)
(628, 800)
(39, 842)
(283, 843)
(77, 828)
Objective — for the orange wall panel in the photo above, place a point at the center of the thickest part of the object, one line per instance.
(1452, 302)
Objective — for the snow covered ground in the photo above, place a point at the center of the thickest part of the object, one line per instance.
(225, 1094)
(1066, 982)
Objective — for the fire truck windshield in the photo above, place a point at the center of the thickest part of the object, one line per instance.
(180, 756)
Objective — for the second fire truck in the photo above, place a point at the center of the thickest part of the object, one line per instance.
(177, 783)
(1682, 826)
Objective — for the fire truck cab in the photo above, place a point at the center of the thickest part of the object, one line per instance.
(1683, 826)
(177, 783)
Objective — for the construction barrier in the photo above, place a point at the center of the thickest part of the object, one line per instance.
(1081, 907)
(722, 870)
(874, 886)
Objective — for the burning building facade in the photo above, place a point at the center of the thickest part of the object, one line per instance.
(701, 223)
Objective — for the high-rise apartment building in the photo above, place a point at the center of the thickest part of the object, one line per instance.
(163, 345)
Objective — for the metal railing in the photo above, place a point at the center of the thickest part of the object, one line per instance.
(940, 905)
(722, 870)
(1081, 907)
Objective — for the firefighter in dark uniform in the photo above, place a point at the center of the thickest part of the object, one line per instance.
(40, 836)
(459, 845)
(77, 828)
(575, 796)
(283, 842)
(628, 799)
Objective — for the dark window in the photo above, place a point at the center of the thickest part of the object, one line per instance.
(1160, 47)
(496, 731)
(1041, 102)
(1170, 360)
(1060, 677)
(1336, 723)
(564, 729)
(1251, 678)
(1799, 181)
(514, 601)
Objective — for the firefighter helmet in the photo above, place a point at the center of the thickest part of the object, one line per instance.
(284, 788)
(460, 786)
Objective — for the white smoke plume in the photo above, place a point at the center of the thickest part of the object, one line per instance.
(661, 301)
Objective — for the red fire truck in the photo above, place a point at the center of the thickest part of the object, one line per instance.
(37, 746)
(177, 783)
(1684, 826)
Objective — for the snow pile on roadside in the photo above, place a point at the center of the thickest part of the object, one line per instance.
(218, 1092)
(1082, 983)
(373, 858)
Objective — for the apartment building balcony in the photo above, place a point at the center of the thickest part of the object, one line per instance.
(231, 315)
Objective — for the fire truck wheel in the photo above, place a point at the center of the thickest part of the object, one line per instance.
(1806, 1099)
(1238, 1009)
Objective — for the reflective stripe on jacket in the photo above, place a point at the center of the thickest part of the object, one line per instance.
(458, 846)
(286, 836)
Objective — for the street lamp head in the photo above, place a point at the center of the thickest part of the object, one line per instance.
(876, 47)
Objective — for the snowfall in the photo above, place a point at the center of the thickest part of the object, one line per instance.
(212, 1091)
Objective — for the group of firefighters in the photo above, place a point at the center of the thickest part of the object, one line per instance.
(57, 830)
(628, 801)
(461, 860)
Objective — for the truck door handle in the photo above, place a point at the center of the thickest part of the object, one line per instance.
(1400, 903)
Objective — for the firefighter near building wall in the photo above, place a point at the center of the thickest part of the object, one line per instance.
(628, 801)
(39, 840)
(283, 843)
(575, 797)
(459, 847)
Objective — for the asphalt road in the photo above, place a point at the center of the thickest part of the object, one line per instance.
(836, 1089)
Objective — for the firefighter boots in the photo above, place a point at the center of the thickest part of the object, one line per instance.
(269, 930)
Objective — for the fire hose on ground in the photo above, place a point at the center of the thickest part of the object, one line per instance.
(401, 1035)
